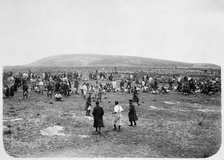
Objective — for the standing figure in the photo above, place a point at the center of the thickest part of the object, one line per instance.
(117, 115)
(49, 90)
(65, 89)
(25, 91)
(10, 84)
(96, 90)
(57, 86)
(98, 113)
(88, 105)
(132, 114)
(135, 97)
(122, 85)
(114, 85)
(41, 87)
(76, 86)
(84, 89)
(99, 98)
(129, 86)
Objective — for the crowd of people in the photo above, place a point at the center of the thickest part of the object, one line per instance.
(95, 84)
(101, 82)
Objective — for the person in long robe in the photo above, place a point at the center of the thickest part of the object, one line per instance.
(76, 86)
(98, 113)
(88, 105)
(135, 97)
(25, 91)
(49, 90)
(128, 87)
(84, 89)
(122, 85)
(132, 114)
(41, 87)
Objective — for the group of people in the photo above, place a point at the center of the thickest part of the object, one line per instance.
(98, 113)
(64, 85)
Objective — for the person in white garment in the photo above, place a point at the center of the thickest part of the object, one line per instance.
(41, 87)
(114, 84)
(117, 116)
(84, 89)
(58, 96)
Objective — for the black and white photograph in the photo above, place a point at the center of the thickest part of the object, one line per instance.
(111, 78)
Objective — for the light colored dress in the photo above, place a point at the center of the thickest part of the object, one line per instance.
(117, 114)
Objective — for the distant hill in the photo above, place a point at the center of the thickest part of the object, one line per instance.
(93, 60)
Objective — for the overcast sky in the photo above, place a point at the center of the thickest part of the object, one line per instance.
(180, 30)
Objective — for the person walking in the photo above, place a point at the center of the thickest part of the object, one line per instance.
(98, 113)
(117, 116)
(132, 114)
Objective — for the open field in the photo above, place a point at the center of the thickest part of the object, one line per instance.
(171, 125)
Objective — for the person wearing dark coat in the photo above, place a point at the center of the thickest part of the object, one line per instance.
(49, 90)
(132, 114)
(65, 89)
(122, 85)
(135, 97)
(88, 105)
(25, 91)
(76, 86)
(57, 86)
(129, 86)
(98, 113)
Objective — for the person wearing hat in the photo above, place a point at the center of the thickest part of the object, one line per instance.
(132, 114)
(117, 115)
(98, 113)
(88, 105)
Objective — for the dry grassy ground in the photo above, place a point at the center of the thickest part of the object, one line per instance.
(172, 125)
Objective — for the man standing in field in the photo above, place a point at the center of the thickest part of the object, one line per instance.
(114, 84)
(135, 97)
(98, 113)
(132, 114)
(10, 84)
(117, 116)
(84, 89)
(41, 87)
(129, 86)
(25, 91)
(88, 105)
(76, 86)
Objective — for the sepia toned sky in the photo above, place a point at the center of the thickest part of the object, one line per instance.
(180, 30)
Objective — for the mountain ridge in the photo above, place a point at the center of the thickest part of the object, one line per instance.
(97, 60)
